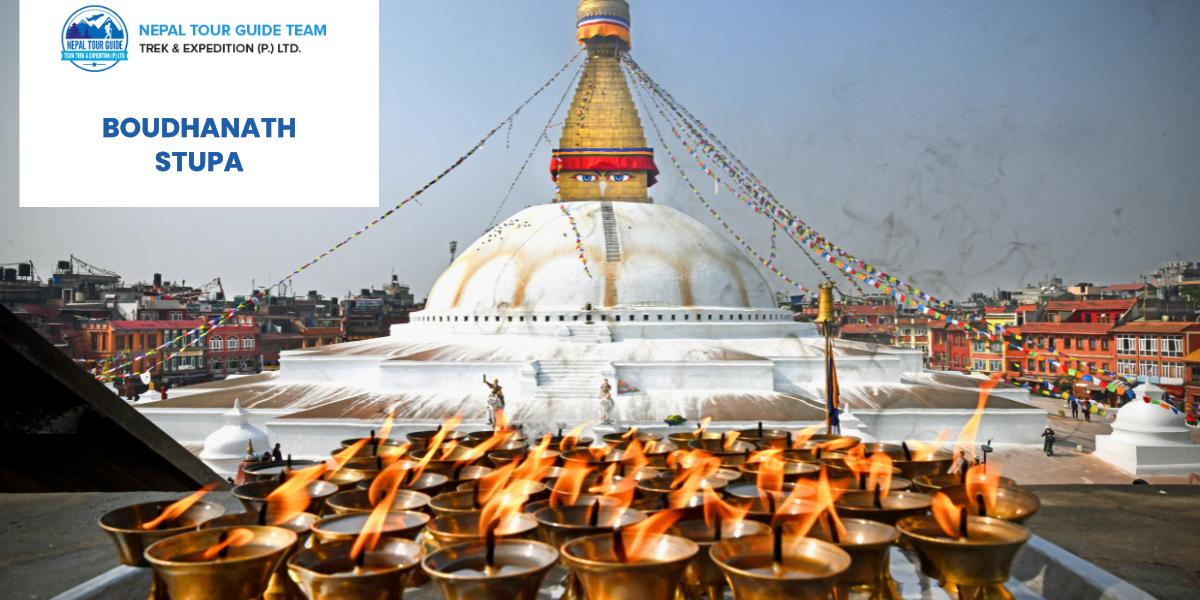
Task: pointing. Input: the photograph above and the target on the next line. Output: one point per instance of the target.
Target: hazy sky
(962, 145)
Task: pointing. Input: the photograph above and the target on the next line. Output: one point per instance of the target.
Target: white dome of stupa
(1141, 421)
(639, 255)
(225, 448)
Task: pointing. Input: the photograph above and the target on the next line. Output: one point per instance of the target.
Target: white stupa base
(1146, 459)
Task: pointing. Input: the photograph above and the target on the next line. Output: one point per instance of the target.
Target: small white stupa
(225, 448)
(1149, 439)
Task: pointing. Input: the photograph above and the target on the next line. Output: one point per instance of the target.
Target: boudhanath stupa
(668, 310)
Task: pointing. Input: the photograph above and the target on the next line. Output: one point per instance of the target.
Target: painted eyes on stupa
(620, 177)
(587, 177)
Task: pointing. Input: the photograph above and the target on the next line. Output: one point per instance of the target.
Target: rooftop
(141, 325)
(1121, 304)
(1040, 327)
(1158, 327)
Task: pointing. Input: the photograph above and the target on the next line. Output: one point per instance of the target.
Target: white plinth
(1143, 459)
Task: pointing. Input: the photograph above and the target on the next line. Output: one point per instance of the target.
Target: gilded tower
(602, 154)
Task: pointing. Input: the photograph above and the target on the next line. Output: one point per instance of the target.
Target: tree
(73, 32)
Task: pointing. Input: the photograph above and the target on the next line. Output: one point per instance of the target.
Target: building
(949, 348)
(1086, 291)
(121, 340)
(319, 331)
(1191, 386)
(1129, 290)
(362, 319)
(913, 332)
(1087, 311)
(870, 323)
(1087, 342)
(1000, 316)
(987, 356)
(1171, 275)
(1153, 351)
(233, 348)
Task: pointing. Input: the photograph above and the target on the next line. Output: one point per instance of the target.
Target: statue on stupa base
(607, 404)
(495, 401)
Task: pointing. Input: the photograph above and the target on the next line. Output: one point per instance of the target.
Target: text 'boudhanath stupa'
(668, 311)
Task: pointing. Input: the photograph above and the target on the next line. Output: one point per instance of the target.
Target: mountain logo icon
(95, 39)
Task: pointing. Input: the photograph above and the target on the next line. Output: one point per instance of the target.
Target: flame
(568, 486)
(694, 460)
(761, 455)
(389, 480)
(634, 457)
(474, 454)
(639, 538)
(178, 508)
(534, 467)
(838, 444)
(501, 420)
(599, 452)
(291, 497)
(492, 483)
(922, 451)
(985, 483)
(715, 507)
(880, 473)
(804, 435)
(629, 434)
(770, 474)
(436, 443)
(237, 537)
(449, 448)
(966, 439)
(502, 507)
(373, 528)
(826, 496)
(699, 433)
(857, 461)
(386, 430)
(341, 458)
(730, 439)
(948, 516)
(570, 440)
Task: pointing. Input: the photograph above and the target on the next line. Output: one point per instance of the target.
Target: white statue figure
(607, 404)
(495, 401)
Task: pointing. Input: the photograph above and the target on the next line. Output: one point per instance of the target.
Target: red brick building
(105, 339)
(1087, 342)
(913, 332)
(949, 349)
(1087, 311)
(233, 348)
(1154, 351)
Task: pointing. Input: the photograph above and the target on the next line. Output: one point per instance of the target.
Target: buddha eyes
(591, 177)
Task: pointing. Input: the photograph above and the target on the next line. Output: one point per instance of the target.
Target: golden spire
(602, 154)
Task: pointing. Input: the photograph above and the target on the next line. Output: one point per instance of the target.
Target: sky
(963, 146)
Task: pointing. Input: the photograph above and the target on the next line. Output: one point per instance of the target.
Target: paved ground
(1148, 535)
(50, 543)
(1028, 465)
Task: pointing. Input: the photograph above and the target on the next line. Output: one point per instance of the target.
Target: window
(980, 347)
(1104, 344)
(1066, 343)
(176, 316)
(1030, 368)
(906, 331)
(1172, 369)
(1196, 374)
(216, 343)
(250, 364)
(1104, 366)
(922, 331)
(1125, 344)
(1041, 365)
(1172, 346)
(1126, 367)
(231, 343)
(1148, 344)
(997, 347)
(247, 342)
(1079, 343)
(1103, 319)
(1148, 368)
(216, 366)
(980, 365)
(1091, 343)
(996, 365)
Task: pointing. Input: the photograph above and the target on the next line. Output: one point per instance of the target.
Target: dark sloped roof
(61, 430)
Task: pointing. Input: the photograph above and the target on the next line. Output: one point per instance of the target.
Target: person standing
(1048, 447)
(277, 454)
(1087, 410)
(1074, 409)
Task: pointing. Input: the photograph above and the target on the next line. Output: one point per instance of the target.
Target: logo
(94, 38)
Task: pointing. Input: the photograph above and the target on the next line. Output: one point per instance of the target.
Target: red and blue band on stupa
(602, 25)
(604, 159)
